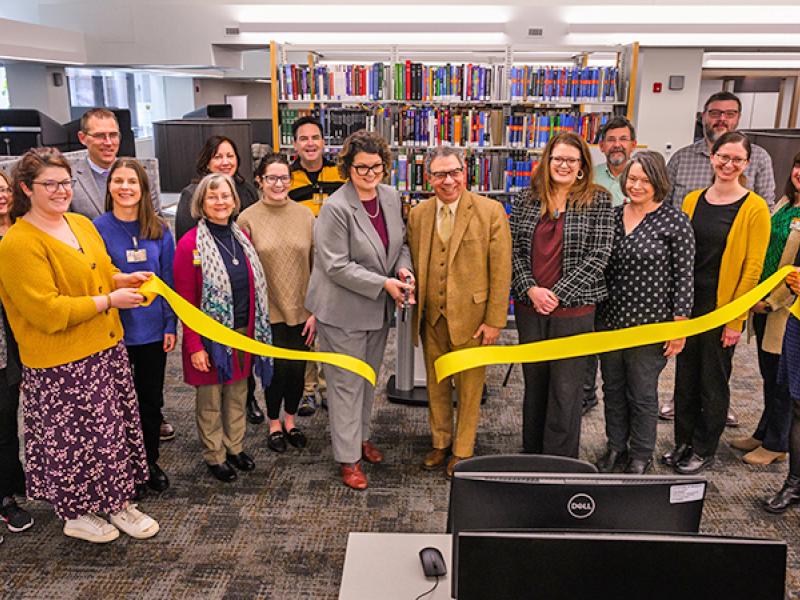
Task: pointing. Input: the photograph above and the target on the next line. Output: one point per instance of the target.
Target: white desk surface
(386, 566)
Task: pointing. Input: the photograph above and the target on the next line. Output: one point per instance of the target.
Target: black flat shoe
(694, 463)
(223, 472)
(789, 494)
(610, 460)
(158, 481)
(296, 437)
(139, 492)
(241, 461)
(674, 456)
(639, 466)
(254, 414)
(277, 441)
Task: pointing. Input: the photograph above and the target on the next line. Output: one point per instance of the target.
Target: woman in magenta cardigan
(217, 270)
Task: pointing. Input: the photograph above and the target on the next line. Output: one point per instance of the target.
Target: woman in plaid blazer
(562, 229)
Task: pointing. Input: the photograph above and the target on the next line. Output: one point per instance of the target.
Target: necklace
(377, 210)
(232, 254)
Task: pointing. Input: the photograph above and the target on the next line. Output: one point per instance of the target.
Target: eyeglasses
(364, 169)
(614, 140)
(273, 179)
(52, 186)
(442, 175)
(716, 114)
(225, 197)
(560, 160)
(632, 181)
(102, 137)
(724, 159)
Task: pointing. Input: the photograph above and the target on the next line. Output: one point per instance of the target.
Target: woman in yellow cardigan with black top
(731, 227)
(83, 437)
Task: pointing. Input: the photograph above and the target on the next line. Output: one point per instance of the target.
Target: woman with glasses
(562, 230)
(770, 441)
(83, 436)
(220, 155)
(12, 477)
(731, 228)
(282, 233)
(649, 279)
(218, 271)
(360, 264)
(137, 239)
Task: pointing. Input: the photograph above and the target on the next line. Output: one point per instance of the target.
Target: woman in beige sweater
(282, 232)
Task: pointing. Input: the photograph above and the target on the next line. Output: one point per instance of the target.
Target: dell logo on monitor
(581, 506)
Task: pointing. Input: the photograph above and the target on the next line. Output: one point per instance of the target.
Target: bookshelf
(501, 110)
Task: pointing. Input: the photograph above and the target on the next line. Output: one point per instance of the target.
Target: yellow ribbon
(211, 329)
(607, 341)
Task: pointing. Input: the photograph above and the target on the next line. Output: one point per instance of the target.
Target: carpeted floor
(280, 532)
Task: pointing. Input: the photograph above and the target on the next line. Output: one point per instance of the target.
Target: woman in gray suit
(360, 264)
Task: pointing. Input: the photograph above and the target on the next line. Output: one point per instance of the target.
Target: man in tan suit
(461, 249)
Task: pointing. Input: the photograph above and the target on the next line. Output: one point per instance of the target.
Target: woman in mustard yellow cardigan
(731, 227)
(83, 437)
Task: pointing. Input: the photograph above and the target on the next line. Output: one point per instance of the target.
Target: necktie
(445, 223)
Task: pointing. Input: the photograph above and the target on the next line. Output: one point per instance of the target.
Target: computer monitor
(580, 564)
(496, 501)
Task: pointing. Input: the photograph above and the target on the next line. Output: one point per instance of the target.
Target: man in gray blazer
(100, 134)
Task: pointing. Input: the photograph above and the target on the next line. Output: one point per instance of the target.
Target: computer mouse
(432, 562)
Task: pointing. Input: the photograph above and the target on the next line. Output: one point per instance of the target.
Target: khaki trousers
(469, 388)
(220, 415)
(314, 377)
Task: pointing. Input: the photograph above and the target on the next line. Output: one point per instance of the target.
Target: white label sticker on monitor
(692, 492)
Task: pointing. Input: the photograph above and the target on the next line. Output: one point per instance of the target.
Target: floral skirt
(83, 438)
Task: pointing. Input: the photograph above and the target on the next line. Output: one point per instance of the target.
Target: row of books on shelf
(424, 126)
(484, 172)
(575, 84)
(415, 81)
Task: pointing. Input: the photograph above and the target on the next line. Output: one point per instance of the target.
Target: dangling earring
(579, 176)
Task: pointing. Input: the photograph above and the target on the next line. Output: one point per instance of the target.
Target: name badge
(795, 224)
(319, 198)
(136, 255)
(196, 257)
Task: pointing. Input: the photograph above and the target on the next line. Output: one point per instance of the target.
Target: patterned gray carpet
(280, 532)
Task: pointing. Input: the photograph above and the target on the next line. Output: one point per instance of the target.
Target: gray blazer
(87, 198)
(350, 263)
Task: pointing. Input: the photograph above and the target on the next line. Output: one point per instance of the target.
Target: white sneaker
(91, 528)
(135, 523)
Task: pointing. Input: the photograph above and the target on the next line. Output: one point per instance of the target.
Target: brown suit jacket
(479, 269)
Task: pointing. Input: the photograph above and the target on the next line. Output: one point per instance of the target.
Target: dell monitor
(568, 565)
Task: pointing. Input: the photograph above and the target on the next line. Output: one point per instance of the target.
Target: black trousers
(702, 393)
(12, 478)
(794, 439)
(776, 419)
(551, 409)
(148, 362)
(289, 375)
(630, 398)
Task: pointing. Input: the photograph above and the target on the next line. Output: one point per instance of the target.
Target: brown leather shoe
(353, 476)
(166, 432)
(762, 456)
(451, 465)
(370, 453)
(748, 444)
(435, 458)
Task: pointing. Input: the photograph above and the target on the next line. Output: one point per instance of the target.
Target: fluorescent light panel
(372, 13)
(687, 14)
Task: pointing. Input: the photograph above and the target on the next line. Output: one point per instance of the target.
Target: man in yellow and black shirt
(313, 180)
(313, 177)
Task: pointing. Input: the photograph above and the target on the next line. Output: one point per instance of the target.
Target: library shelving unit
(500, 106)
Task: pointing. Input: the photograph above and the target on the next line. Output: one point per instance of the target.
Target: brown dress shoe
(435, 458)
(451, 464)
(370, 453)
(748, 444)
(762, 456)
(353, 476)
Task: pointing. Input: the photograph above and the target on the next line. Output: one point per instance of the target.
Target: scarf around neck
(216, 300)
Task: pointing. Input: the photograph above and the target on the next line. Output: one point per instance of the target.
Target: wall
(179, 96)
(213, 91)
(667, 118)
(30, 85)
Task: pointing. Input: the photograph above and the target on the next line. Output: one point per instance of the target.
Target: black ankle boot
(254, 414)
(789, 494)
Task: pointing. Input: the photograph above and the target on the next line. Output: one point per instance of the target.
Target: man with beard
(690, 169)
(617, 141)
